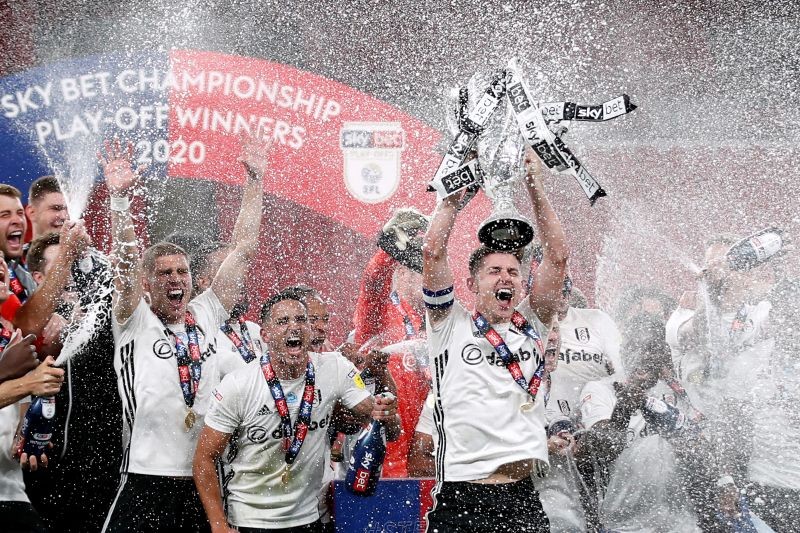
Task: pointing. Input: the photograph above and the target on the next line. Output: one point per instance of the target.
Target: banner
(336, 150)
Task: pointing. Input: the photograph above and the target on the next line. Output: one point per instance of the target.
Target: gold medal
(285, 476)
(190, 419)
(525, 407)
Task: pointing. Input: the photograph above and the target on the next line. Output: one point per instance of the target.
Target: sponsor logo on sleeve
(217, 395)
(358, 381)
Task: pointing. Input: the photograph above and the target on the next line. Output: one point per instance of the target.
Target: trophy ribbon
(550, 149)
(558, 111)
(469, 128)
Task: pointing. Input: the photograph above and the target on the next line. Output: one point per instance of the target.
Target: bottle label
(766, 245)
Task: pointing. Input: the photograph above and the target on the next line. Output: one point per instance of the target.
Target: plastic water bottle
(755, 249)
(37, 428)
(662, 416)
(366, 463)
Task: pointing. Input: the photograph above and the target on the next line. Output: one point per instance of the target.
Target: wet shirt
(242, 406)
(589, 351)
(644, 492)
(12, 488)
(156, 440)
(479, 423)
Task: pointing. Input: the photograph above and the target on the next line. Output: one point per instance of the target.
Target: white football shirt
(155, 438)
(230, 359)
(12, 487)
(479, 421)
(589, 351)
(243, 406)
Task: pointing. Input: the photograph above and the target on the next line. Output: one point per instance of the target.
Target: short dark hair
(201, 259)
(35, 259)
(266, 307)
(42, 187)
(10, 190)
(160, 249)
(303, 292)
(477, 257)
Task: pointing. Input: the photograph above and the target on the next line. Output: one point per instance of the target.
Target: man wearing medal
(275, 416)
(165, 354)
(489, 415)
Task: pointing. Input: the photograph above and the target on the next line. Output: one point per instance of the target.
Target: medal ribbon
(411, 332)
(301, 425)
(15, 284)
(5, 338)
(243, 344)
(509, 358)
(189, 362)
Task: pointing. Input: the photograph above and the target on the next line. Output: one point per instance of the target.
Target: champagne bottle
(37, 427)
(663, 417)
(366, 463)
(755, 249)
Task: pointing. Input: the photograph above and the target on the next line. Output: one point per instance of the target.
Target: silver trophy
(500, 149)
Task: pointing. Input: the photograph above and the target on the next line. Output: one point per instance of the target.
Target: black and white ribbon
(550, 149)
(470, 127)
(616, 107)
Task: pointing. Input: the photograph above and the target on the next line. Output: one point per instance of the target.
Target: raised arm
(34, 315)
(120, 180)
(546, 293)
(230, 277)
(436, 273)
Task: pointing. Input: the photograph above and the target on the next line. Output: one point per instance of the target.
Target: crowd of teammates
(532, 411)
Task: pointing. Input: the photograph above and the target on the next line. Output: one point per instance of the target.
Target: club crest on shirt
(563, 406)
(582, 334)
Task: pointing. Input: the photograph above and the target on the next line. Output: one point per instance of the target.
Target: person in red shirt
(390, 306)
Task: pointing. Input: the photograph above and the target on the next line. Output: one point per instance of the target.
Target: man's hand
(255, 155)
(19, 357)
(74, 239)
(32, 463)
(385, 408)
(45, 379)
(561, 444)
(52, 331)
(117, 168)
(533, 167)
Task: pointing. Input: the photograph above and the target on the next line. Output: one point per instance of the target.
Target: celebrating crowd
(531, 411)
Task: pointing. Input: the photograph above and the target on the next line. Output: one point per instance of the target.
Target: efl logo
(372, 159)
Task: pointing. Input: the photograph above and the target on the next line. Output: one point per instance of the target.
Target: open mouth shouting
(14, 240)
(175, 295)
(504, 294)
(294, 344)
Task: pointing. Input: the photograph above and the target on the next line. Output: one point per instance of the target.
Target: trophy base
(505, 234)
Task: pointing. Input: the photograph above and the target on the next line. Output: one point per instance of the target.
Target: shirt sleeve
(208, 311)
(597, 402)
(224, 411)
(134, 321)
(352, 390)
(373, 297)
(425, 422)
